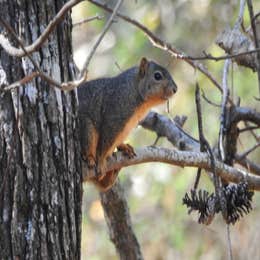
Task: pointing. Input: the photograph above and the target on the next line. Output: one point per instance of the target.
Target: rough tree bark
(40, 168)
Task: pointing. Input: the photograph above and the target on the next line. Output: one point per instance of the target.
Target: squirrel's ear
(143, 67)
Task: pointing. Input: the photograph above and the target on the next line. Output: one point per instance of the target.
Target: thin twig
(21, 82)
(165, 127)
(199, 114)
(200, 129)
(249, 128)
(252, 167)
(207, 99)
(245, 114)
(43, 37)
(222, 130)
(224, 57)
(197, 179)
(204, 145)
(246, 153)
(256, 37)
(105, 29)
(239, 20)
(87, 20)
(256, 15)
(118, 66)
(230, 254)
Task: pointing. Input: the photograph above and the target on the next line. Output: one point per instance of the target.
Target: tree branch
(223, 116)
(223, 57)
(248, 164)
(166, 127)
(177, 158)
(245, 114)
(250, 150)
(87, 20)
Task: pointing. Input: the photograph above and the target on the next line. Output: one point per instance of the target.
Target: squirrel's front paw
(127, 150)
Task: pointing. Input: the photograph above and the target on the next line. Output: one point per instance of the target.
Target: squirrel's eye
(158, 75)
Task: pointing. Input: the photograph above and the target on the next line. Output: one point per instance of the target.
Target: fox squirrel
(109, 108)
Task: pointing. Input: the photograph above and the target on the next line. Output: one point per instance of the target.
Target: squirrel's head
(154, 81)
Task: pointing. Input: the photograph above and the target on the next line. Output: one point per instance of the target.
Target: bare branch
(246, 153)
(256, 137)
(230, 253)
(42, 38)
(203, 141)
(256, 38)
(249, 128)
(248, 164)
(245, 114)
(205, 146)
(105, 29)
(21, 82)
(256, 16)
(223, 122)
(178, 158)
(166, 127)
(87, 20)
(65, 86)
(224, 57)
(207, 99)
(239, 20)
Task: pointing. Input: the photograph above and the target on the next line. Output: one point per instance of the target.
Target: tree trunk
(40, 168)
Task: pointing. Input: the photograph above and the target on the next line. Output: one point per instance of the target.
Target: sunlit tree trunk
(40, 169)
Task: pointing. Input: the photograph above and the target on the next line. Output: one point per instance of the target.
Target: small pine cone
(239, 200)
(203, 203)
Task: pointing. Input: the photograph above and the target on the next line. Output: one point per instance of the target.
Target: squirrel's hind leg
(89, 140)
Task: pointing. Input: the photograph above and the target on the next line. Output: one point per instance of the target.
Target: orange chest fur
(133, 121)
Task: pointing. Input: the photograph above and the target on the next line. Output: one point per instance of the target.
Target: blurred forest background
(154, 191)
